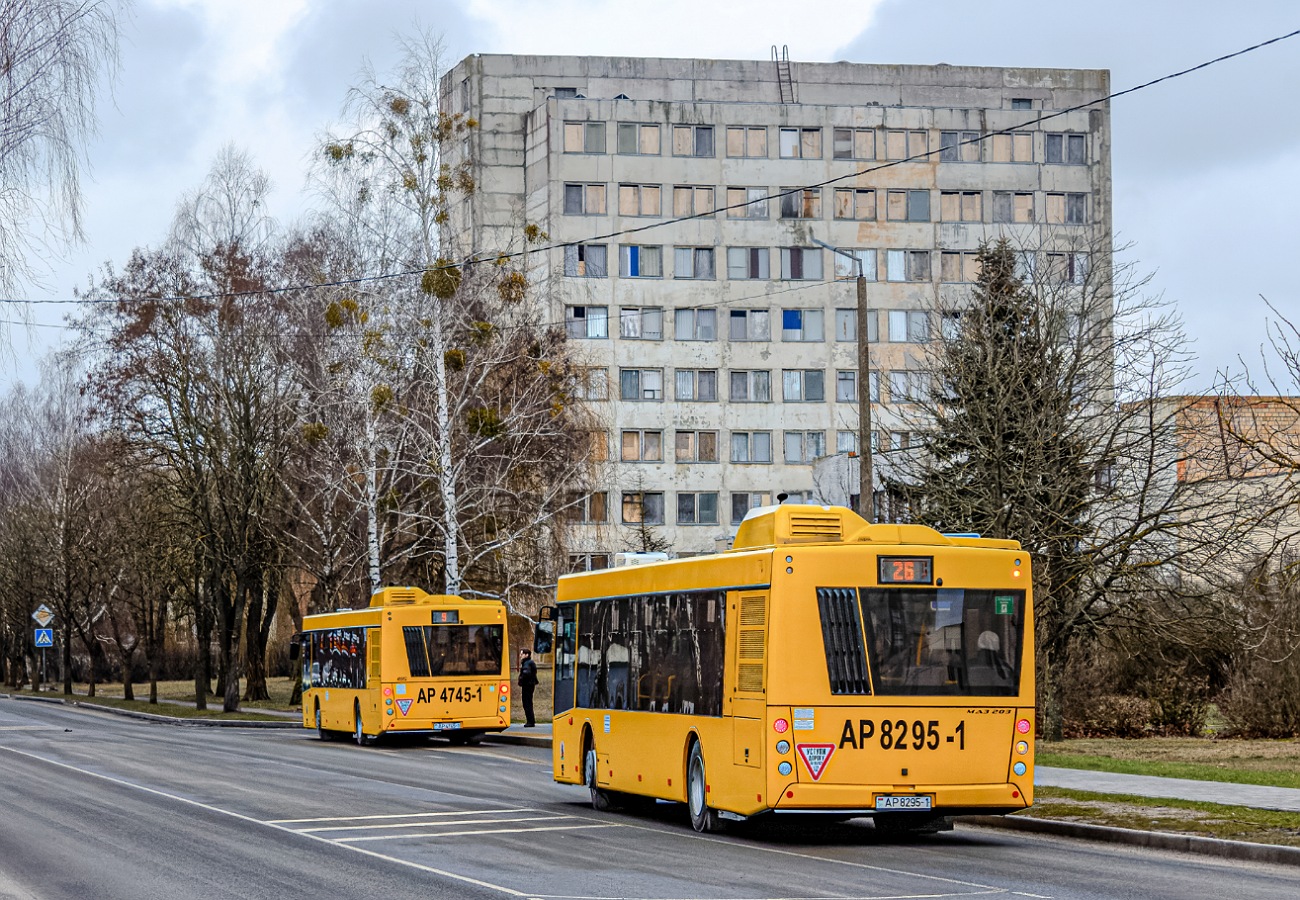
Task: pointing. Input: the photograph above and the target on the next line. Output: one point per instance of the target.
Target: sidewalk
(1254, 795)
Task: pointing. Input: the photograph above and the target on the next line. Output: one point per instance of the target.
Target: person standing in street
(527, 682)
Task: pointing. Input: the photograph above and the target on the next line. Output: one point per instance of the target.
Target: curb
(522, 740)
(153, 717)
(1155, 840)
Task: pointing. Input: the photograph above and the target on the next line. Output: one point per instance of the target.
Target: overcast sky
(1205, 167)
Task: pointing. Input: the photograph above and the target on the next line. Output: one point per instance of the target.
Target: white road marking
(30, 728)
(437, 824)
(442, 834)
(454, 812)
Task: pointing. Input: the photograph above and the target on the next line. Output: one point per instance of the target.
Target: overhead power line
(490, 256)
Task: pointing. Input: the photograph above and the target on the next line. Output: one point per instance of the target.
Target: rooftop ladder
(783, 79)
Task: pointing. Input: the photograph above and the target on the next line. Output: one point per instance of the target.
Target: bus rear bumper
(948, 799)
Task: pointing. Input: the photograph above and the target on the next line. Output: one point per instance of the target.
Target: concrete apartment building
(722, 341)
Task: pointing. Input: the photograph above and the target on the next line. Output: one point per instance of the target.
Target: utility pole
(866, 490)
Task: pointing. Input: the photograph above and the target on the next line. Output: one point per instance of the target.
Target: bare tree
(1055, 419)
(53, 54)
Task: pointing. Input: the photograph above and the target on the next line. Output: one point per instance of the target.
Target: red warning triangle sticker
(404, 706)
(815, 757)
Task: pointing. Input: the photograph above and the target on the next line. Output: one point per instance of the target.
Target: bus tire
(321, 732)
(601, 799)
(703, 818)
(358, 732)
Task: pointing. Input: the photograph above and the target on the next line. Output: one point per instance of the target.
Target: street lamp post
(865, 486)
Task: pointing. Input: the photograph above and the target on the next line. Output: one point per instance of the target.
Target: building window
(692, 199)
(900, 440)
(641, 385)
(746, 203)
(747, 141)
(906, 144)
(1067, 268)
(959, 267)
(801, 203)
(908, 387)
(950, 325)
(908, 206)
(803, 386)
(696, 446)
(803, 325)
(696, 324)
(638, 199)
(588, 562)
(697, 508)
(697, 384)
(846, 386)
(801, 143)
(1016, 148)
(743, 501)
(636, 261)
(586, 260)
(584, 199)
(804, 446)
(591, 384)
(753, 386)
(909, 326)
(638, 140)
(846, 442)
(801, 264)
(907, 265)
(848, 268)
(1066, 149)
(643, 446)
(751, 446)
(597, 445)
(748, 263)
(584, 137)
(846, 325)
(693, 140)
(587, 321)
(855, 203)
(588, 509)
(959, 146)
(961, 206)
(641, 323)
(854, 143)
(643, 508)
(1067, 209)
(1011, 207)
(693, 262)
(1021, 103)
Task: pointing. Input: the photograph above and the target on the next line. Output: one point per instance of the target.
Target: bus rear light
(1023, 726)
(781, 726)
(785, 768)
(1022, 747)
(505, 688)
(1015, 794)
(1019, 768)
(783, 747)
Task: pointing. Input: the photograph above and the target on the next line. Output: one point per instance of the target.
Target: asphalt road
(98, 806)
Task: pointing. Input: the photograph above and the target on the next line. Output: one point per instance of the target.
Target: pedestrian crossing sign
(44, 637)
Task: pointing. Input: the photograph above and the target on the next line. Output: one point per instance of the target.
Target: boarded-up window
(584, 137)
(692, 140)
(960, 206)
(689, 200)
(854, 143)
(1016, 147)
(959, 146)
(746, 203)
(801, 143)
(855, 203)
(801, 204)
(747, 141)
(638, 140)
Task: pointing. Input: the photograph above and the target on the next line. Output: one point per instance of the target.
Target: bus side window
(544, 637)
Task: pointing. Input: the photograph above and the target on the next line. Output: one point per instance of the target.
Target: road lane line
(432, 870)
(394, 837)
(453, 812)
(438, 824)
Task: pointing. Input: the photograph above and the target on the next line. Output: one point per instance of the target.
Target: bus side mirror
(294, 646)
(544, 637)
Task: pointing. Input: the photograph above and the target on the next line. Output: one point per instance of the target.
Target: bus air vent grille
(401, 598)
(749, 677)
(846, 656)
(753, 611)
(751, 643)
(815, 528)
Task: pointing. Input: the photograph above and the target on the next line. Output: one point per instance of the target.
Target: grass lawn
(1233, 823)
(1275, 763)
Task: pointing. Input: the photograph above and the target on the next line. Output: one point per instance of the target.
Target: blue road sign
(44, 637)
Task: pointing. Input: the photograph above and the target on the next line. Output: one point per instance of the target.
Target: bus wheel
(601, 800)
(703, 819)
(357, 734)
(321, 732)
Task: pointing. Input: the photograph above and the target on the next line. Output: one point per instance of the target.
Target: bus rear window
(944, 641)
(449, 650)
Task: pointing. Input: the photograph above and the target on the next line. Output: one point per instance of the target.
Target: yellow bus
(822, 665)
(409, 663)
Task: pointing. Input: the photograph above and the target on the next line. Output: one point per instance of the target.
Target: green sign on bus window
(1004, 606)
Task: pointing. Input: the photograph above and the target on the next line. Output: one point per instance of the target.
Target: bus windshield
(438, 650)
(944, 641)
